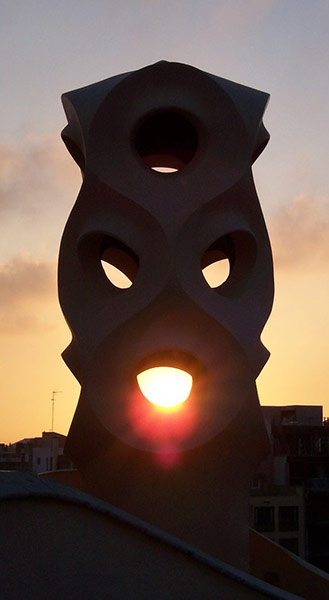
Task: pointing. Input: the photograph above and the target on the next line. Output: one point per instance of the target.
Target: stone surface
(57, 542)
(185, 470)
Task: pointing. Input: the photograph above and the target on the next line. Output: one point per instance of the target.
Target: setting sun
(165, 386)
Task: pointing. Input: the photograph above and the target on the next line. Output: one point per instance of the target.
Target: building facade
(290, 493)
(37, 455)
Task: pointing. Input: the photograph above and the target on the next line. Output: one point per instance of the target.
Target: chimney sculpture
(166, 155)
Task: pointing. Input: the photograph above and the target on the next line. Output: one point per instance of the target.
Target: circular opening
(166, 141)
(120, 264)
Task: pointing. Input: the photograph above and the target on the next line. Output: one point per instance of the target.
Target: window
(323, 445)
(264, 518)
(288, 518)
(288, 416)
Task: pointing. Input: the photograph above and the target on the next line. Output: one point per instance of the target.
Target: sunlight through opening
(117, 277)
(166, 141)
(165, 169)
(217, 272)
(120, 264)
(165, 386)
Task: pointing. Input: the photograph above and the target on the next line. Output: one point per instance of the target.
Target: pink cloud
(27, 296)
(33, 173)
(300, 233)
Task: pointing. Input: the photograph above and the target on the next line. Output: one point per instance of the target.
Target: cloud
(34, 173)
(299, 233)
(38, 185)
(27, 295)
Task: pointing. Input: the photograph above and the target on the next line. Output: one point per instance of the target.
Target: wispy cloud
(33, 173)
(38, 185)
(300, 233)
(27, 295)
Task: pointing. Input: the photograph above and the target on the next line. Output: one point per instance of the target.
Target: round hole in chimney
(166, 141)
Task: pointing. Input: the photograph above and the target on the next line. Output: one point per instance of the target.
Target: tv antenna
(53, 407)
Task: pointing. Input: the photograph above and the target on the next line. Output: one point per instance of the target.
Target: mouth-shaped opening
(165, 386)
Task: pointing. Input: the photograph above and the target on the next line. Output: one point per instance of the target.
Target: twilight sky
(46, 48)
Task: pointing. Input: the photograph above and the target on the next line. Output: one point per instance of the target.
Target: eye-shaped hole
(215, 268)
(166, 141)
(120, 263)
(228, 263)
(216, 262)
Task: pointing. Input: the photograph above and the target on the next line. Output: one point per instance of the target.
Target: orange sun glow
(165, 386)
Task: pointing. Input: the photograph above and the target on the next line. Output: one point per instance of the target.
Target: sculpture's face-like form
(162, 229)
